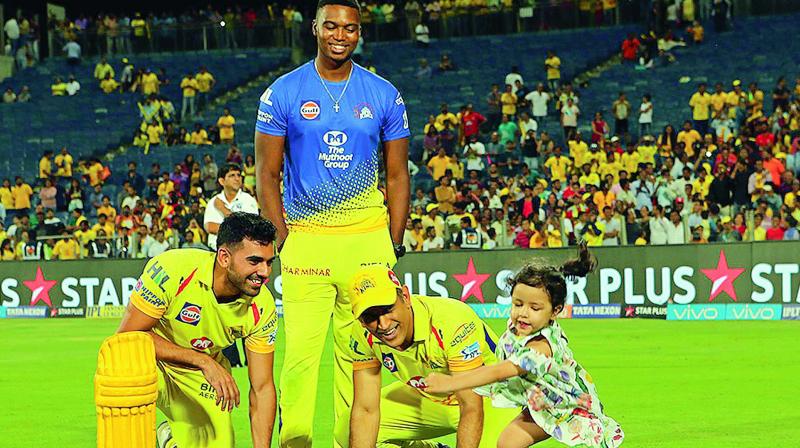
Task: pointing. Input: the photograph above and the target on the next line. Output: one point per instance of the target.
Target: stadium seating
(716, 60)
(92, 122)
(481, 61)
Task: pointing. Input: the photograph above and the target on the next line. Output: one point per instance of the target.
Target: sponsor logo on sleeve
(471, 351)
(309, 110)
(202, 343)
(158, 275)
(462, 333)
(190, 314)
(149, 296)
(389, 363)
(399, 100)
(264, 117)
(595, 311)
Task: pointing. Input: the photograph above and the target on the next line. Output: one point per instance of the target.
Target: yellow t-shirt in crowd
(509, 101)
(558, 167)
(109, 85)
(66, 249)
(690, 138)
(150, 83)
(22, 196)
(438, 165)
(6, 198)
(154, 132)
(64, 164)
(45, 168)
(189, 86)
(204, 81)
(700, 104)
(225, 125)
(199, 137)
(59, 89)
(554, 67)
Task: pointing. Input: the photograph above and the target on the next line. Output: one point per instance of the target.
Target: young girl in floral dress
(536, 369)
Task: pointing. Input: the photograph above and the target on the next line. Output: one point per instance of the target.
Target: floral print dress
(558, 393)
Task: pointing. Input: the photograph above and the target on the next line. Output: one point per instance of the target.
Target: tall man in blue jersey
(323, 125)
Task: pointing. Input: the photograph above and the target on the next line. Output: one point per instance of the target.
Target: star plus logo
(630, 311)
(722, 278)
(471, 282)
(40, 288)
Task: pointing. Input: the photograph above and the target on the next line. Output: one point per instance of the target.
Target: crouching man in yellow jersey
(194, 303)
(411, 336)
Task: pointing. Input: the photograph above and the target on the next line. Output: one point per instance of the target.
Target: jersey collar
(422, 319)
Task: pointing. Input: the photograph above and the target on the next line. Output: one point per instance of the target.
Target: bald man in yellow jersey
(194, 303)
(412, 336)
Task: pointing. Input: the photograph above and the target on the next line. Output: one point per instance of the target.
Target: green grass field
(669, 384)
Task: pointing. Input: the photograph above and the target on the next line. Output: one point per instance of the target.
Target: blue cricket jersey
(331, 161)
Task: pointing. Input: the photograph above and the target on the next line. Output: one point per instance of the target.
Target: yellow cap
(726, 219)
(374, 285)
(736, 82)
(430, 207)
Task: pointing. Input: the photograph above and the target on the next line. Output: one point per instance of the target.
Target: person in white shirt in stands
(475, 151)
(73, 51)
(231, 199)
(432, 242)
(423, 34)
(658, 226)
(674, 228)
(512, 78)
(645, 116)
(538, 99)
(159, 246)
(73, 86)
(612, 227)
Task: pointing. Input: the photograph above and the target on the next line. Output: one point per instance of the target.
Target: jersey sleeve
(394, 125)
(273, 110)
(149, 295)
(262, 339)
(361, 353)
(463, 343)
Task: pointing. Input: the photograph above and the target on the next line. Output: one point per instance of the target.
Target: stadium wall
(743, 281)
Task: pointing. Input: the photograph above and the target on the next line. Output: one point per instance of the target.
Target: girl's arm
(442, 383)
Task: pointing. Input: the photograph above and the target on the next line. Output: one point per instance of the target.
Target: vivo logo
(334, 138)
(696, 312)
(753, 312)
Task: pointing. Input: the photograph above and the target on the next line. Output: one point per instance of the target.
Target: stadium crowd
(490, 175)
(728, 173)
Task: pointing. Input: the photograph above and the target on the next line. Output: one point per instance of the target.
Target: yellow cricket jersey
(448, 337)
(700, 104)
(175, 288)
(204, 81)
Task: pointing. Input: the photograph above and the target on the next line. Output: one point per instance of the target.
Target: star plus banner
(639, 278)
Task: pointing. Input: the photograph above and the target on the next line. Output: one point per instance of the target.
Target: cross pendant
(336, 107)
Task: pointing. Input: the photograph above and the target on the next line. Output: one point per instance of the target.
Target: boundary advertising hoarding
(629, 282)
